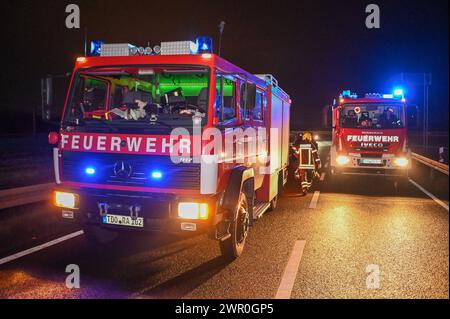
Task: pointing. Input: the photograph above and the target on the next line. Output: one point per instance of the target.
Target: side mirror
(53, 95)
(250, 96)
(47, 97)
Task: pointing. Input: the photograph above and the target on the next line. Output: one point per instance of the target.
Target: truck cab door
(251, 110)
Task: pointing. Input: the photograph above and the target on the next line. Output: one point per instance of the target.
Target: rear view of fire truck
(131, 153)
(370, 136)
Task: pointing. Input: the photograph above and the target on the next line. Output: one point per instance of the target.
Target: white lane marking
(290, 272)
(314, 199)
(40, 247)
(437, 200)
(326, 165)
(322, 177)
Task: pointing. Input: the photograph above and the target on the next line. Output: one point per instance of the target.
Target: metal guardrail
(25, 195)
(443, 168)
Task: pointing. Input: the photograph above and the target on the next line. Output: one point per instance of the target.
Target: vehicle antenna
(85, 41)
(221, 28)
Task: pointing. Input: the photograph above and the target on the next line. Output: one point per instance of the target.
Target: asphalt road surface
(356, 239)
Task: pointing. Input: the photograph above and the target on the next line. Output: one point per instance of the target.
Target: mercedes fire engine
(119, 165)
(369, 135)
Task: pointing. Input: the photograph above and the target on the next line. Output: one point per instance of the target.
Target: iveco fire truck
(131, 153)
(369, 135)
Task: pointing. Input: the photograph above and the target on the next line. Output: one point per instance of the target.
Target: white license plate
(123, 221)
(375, 161)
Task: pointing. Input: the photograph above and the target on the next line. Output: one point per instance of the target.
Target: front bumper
(159, 211)
(372, 171)
(374, 165)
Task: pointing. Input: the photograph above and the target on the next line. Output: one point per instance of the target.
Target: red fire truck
(370, 135)
(114, 154)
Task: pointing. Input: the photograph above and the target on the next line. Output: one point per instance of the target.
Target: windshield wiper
(156, 121)
(104, 122)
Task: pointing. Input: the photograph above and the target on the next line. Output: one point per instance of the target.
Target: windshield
(373, 116)
(145, 95)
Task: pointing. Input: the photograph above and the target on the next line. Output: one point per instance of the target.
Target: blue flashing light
(156, 175)
(399, 92)
(96, 48)
(204, 45)
(346, 93)
(90, 170)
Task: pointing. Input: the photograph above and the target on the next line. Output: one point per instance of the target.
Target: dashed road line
(290, 272)
(437, 200)
(314, 200)
(40, 247)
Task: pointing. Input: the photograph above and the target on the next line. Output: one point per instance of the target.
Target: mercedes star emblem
(123, 169)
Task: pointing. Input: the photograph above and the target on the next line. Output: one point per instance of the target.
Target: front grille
(367, 149)
(181, 176)
(372, 155)
(382, 164)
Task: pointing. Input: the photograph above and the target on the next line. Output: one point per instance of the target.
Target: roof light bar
(202, 45)
(178, 47)
(117, 49)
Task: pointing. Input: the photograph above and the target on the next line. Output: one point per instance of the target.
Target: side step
(260, 209)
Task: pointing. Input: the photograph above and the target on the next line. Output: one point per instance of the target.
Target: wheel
(273, 204)
(281, 183)
(98, 235)
(400, 184)
(396, 186)
(232, 247)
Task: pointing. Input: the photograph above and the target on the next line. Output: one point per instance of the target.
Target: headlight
(401, 161)
(342, 160)
(66, 200)
(193, 210)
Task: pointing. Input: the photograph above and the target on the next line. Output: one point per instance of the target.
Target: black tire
(281, 184)
(99, 236)
(233, 247)
(400, 184)
(273, 204)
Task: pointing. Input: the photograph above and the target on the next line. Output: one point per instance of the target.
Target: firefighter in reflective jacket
(310, 163)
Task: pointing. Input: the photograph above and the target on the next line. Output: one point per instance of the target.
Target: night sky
(314, 48)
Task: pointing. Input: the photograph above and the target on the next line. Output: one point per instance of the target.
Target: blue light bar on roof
(399, 93)
(96, 48)
(346, 93)
(204, 44)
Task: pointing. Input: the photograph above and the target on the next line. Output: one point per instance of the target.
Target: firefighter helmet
(307, 136)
